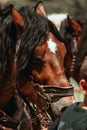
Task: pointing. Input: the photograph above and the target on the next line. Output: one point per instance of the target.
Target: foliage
(78, 94)
(73, 7)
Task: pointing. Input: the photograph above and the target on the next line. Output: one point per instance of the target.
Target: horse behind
(72, 31)
(35, 61)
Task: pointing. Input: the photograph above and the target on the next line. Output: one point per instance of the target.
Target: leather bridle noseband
(56, 92)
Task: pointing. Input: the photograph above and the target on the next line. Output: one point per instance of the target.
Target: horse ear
(17, 18)
(69, 20)
(75, 25)
(40, 9)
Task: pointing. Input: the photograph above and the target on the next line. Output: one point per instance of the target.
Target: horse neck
(6, 93)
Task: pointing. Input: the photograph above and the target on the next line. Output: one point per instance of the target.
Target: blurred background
(72, 7)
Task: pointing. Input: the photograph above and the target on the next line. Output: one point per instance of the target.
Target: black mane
(36, 30)
(8, 37)
(82, 49)
(82, 52)
(66, 31)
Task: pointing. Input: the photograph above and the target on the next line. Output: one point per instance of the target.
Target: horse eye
(79, 32)
(37, 60)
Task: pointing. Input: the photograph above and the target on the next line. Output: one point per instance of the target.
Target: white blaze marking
(52, 45)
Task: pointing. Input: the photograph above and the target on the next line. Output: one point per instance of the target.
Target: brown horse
(71, 31)
(45, 66)
(8, 91)
(32, 63)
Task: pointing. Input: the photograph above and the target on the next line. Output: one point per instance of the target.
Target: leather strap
(57, 92)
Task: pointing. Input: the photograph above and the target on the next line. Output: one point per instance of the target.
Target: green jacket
(73, 118)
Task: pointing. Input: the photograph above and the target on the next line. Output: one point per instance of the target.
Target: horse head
(71, 31)
(46, 62)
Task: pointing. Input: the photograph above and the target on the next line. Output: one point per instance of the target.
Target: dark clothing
(55, 124)
(73, 118)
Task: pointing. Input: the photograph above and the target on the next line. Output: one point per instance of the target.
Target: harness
(46, 95)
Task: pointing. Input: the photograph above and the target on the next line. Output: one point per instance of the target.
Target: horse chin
(59, 106)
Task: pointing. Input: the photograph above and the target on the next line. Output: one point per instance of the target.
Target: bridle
(52, 92)
(57, 92)
(38, 114)
(47, 95)
(74, 55)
